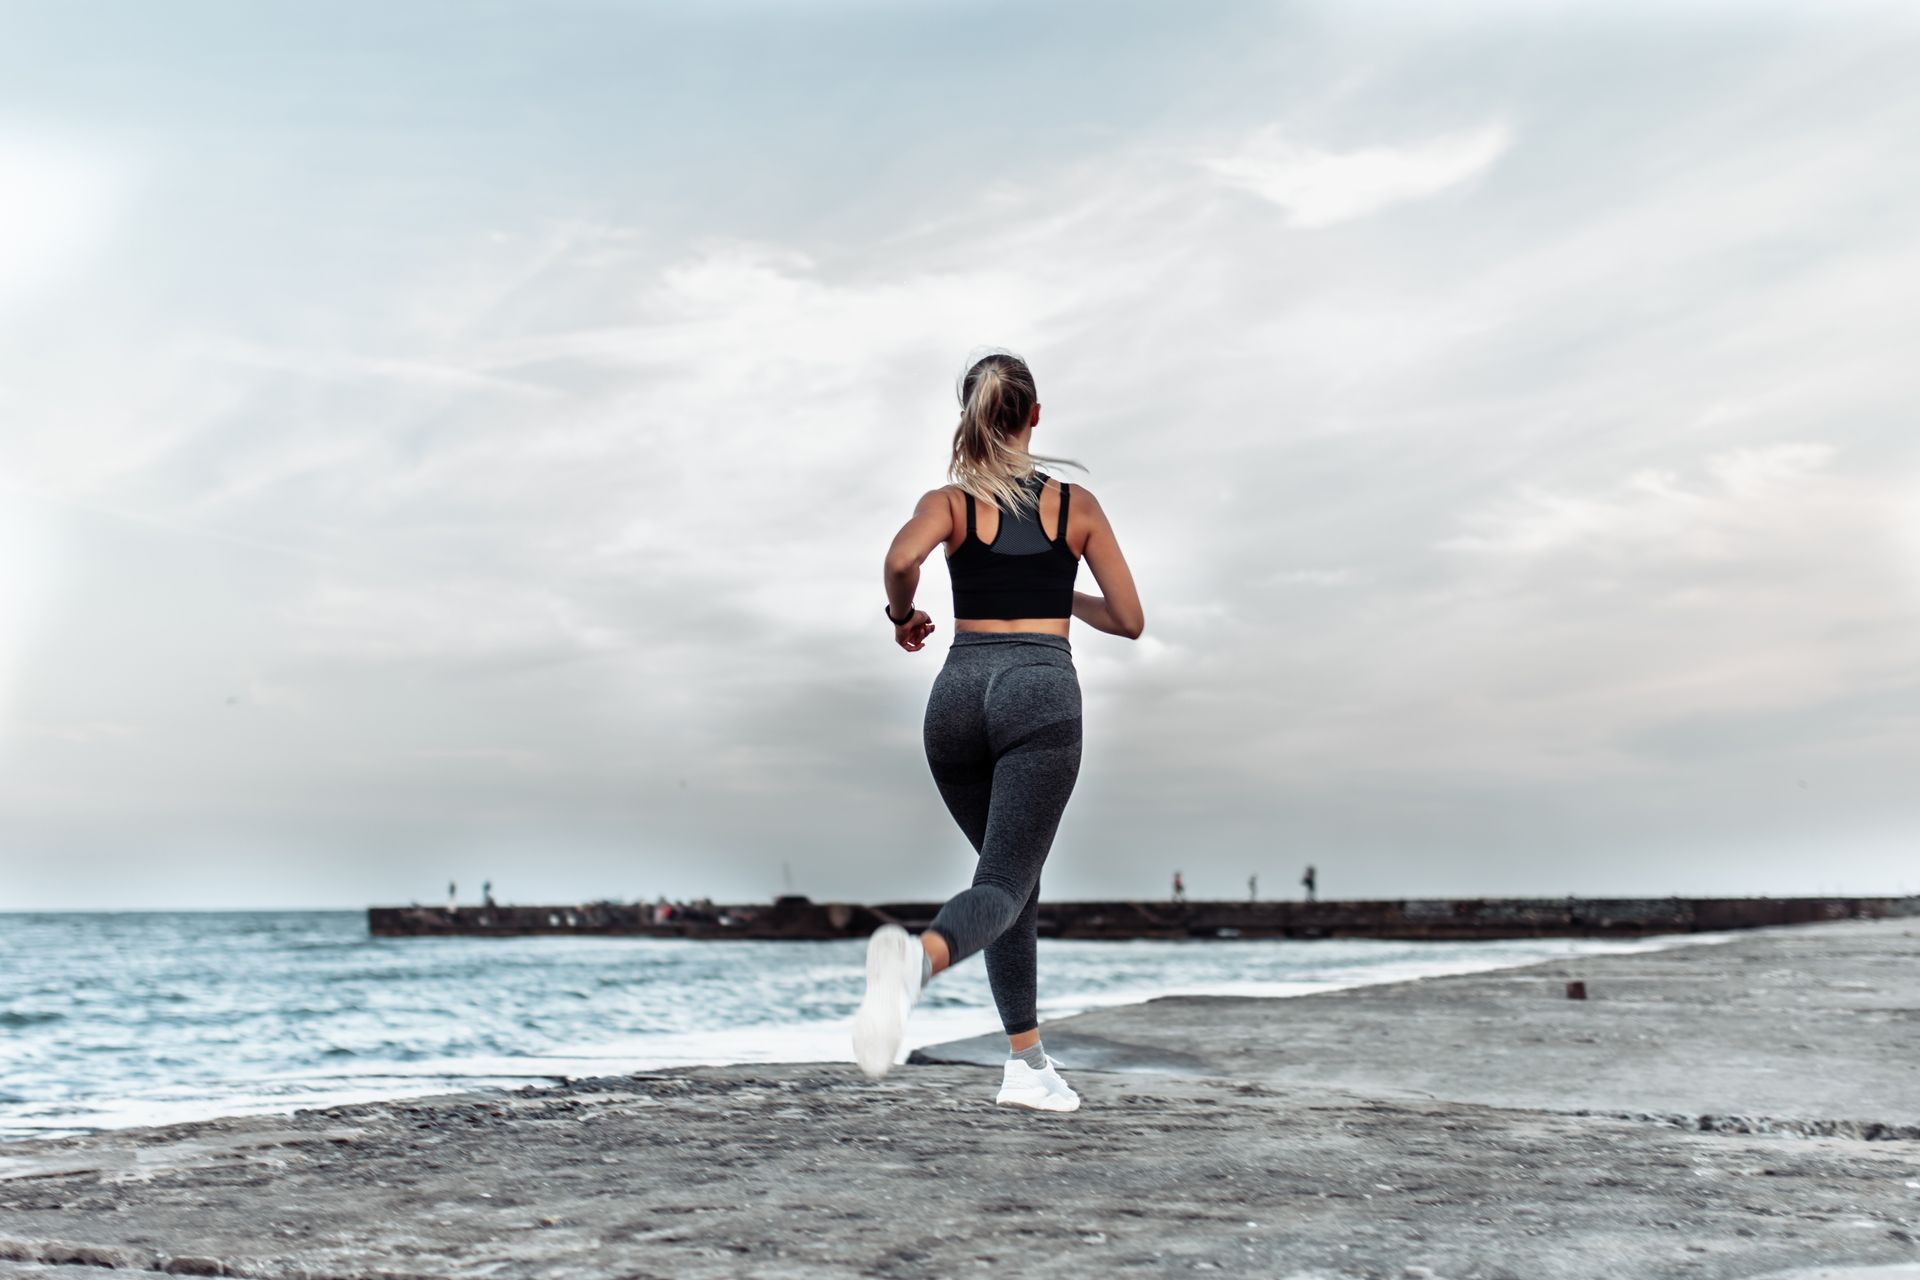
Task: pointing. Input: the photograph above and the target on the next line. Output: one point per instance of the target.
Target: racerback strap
(1066, 491)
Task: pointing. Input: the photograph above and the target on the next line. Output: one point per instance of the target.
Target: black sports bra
(1022, 573)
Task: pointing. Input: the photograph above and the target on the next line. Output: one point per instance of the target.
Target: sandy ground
(1744, 1109)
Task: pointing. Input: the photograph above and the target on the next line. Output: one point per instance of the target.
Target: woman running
(1002, 729)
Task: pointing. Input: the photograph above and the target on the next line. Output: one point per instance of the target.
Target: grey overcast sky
(460, 439)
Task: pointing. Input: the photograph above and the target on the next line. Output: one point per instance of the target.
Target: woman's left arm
(931, 525)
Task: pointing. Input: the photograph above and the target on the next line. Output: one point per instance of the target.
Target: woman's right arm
(1117, 611)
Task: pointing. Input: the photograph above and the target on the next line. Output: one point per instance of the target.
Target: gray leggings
(1003, 739)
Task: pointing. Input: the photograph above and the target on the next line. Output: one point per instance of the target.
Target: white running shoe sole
(1037, 1100)
(1032, 1092)
(881, 1024)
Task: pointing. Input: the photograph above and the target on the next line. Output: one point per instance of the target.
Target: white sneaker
(1022, 1086)
(893, 988)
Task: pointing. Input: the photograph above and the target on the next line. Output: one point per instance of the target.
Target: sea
(119, 1019)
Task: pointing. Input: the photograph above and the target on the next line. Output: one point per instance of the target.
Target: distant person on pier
(1307, 880)
(1179, 888)
(486, 893)
(453, 897)
(1002, 725)
(1253, 887)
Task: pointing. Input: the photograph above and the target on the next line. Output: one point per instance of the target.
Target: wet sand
(1738, 1109)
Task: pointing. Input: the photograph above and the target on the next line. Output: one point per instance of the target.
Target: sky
(460, 440)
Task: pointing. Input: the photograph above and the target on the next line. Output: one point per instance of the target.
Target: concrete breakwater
(800, 918)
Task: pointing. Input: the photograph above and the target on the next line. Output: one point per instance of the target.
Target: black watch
(887, 608)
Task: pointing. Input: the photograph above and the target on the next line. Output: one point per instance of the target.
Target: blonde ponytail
(997, 395)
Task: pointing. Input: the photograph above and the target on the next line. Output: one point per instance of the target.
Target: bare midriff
(1053, 626)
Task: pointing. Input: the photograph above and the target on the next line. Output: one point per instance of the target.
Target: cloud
(80, 732)
(1752, 473)
(56, 204)
(346, 366)
(30, 564)
(1316, 577)
(1321, 188)
(1654, 509)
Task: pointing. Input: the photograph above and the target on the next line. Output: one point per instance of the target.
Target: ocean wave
(142, 1018)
